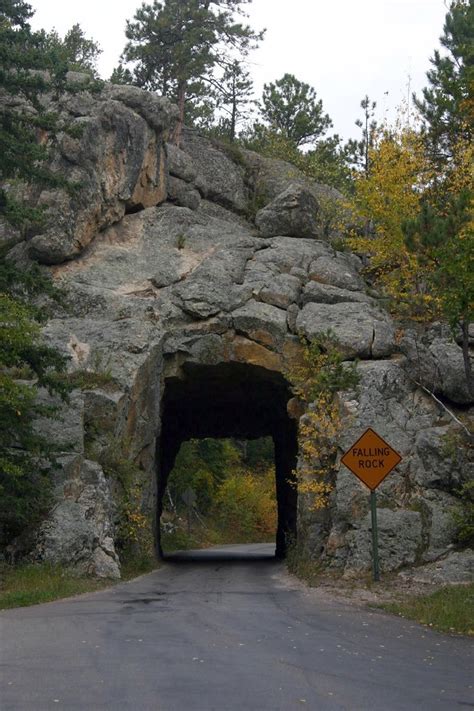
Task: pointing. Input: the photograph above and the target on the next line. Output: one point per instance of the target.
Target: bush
(464, 515)
(245, 507)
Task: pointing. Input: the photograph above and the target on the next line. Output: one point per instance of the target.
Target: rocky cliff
(188, 276)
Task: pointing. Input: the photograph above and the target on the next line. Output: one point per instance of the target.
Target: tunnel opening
(238, 401)
(220, 492)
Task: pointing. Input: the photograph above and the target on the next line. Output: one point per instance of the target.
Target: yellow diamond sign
(371, 459)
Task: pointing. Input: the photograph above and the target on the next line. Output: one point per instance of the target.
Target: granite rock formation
(193, 310)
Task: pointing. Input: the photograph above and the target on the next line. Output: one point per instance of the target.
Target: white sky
(344, 48)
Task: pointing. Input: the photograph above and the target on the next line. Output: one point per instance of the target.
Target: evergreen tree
(175, 43)
(443, 238)
(233, 91)
(358, 152)
(292, 109)
(21, 55)
(76, 50)
(447, 104)
(25, 362)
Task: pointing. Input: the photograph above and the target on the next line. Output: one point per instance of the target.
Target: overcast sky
(344, 48)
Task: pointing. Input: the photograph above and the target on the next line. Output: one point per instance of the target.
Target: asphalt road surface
(222, 630)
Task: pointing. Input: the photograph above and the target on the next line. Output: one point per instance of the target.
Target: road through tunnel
(235, 400)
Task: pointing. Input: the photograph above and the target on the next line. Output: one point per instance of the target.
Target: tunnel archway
(236, 400)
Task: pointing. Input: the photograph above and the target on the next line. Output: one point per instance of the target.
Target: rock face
(173, 296)
(293, 213)
(114, 151)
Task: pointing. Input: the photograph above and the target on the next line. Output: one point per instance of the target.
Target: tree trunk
(466, 356)
(178, 131)
(233, 120)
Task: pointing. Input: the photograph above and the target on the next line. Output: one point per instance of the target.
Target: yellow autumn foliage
(316, 379)
(384, 199)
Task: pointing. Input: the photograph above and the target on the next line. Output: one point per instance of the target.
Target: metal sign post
(375, 535)
(371, 459)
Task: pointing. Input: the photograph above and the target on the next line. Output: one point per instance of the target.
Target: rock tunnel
(232, 400)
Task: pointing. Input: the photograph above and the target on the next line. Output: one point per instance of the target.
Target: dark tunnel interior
(232, 400)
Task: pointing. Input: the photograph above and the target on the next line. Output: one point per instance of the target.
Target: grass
(89, 380)
(450, 609)
(300, 564)
(32, 584)
(134, 565)
(24, 585)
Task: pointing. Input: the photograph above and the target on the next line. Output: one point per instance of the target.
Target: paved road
(224, 630)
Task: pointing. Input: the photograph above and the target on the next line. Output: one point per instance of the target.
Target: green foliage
(180, 241)
(234, 483)
(444, 238)
(134, 536)
(259, 454)
(25, 482)
(32, 64)
(316, 379)
(324, 163)
(201, 465)
(90, 380)
(323, 370)
(75, 50)
(464, 515)
(33, 584)
(174, 46)
(177, 539)
(245, 507)
(300, 563)
(447, 104)
(450, 609)
(233, 96)
(292, 110)
(357, 152)
(23, 118)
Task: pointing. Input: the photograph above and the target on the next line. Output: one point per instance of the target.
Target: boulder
(361, 330)
(281, 290)
(440, 463)
(260, 322)
(320, 293)
(400, 541)
(183, 194)
(156, 294)
(340, 270)
(218, 178)
(79, 531)
(455, 568)
(292, 213)
(436, 361)
(180, 164)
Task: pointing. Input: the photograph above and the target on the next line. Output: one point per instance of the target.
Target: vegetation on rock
(291, 109)
(27, 364)
(316, 380)
(176, 46)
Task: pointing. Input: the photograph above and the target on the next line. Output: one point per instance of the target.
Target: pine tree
(442, 237)
(447, 105)
(24, 480)
(76, 50)
(358, 152)
(233, 97)
(23, 117)
(292, 109)
(175, 43)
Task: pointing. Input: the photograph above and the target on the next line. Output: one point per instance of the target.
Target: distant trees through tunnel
(220, 491)
(226, 458)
